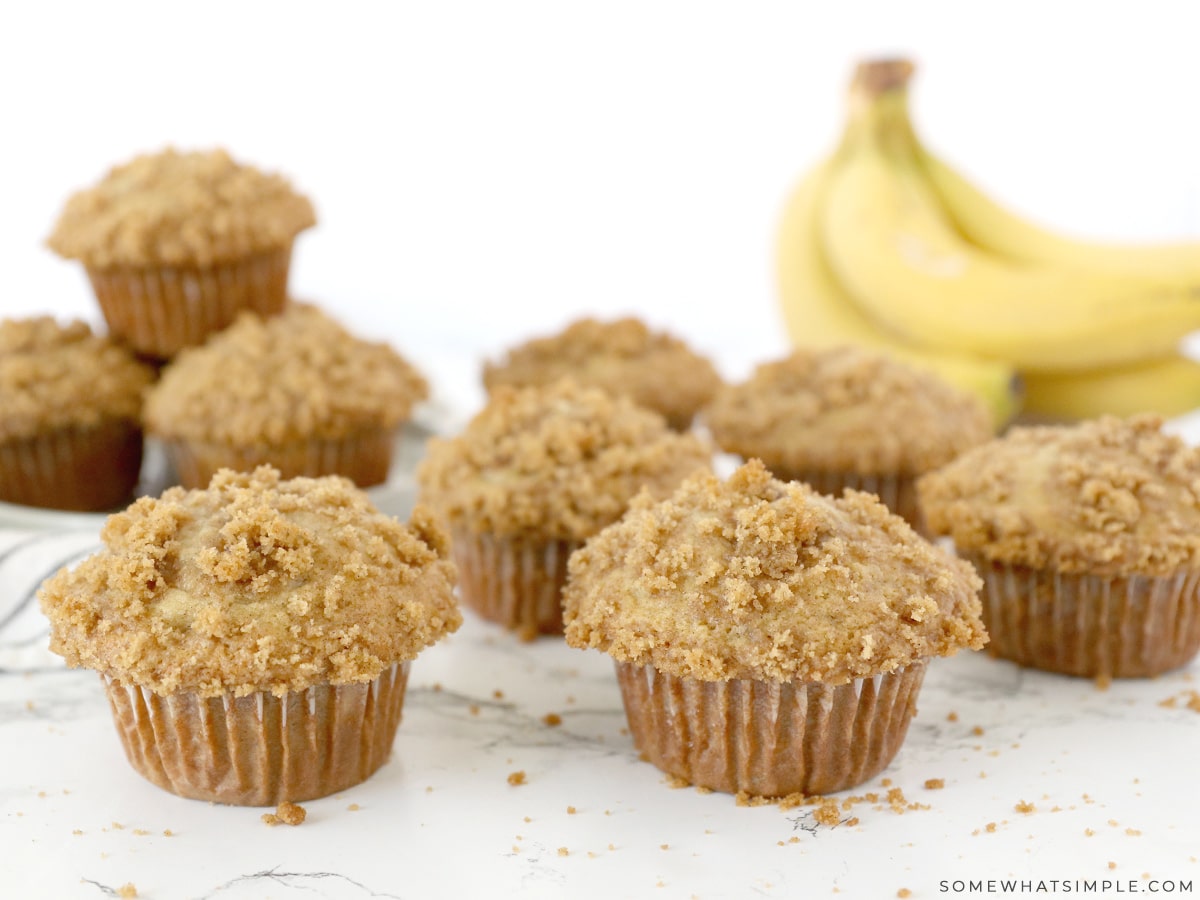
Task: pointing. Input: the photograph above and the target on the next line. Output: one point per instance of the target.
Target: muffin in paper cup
(1087, 537)
(296, 391)
(176, 244)
(768, 639)
(70, 416)
(845, 417)
(255, 638)
(537, 471)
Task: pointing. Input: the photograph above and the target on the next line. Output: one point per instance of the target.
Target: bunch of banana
(884, 245)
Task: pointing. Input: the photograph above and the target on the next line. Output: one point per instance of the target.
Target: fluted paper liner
(364, 457)
(89, 469)
(159, 310)
(515, 582)
(260, 750)
(1130, 626)
(897, 492)
(769, 739)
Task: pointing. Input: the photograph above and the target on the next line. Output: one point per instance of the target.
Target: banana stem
(878, 76)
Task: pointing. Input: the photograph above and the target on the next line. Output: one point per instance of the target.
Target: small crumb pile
(286, 813)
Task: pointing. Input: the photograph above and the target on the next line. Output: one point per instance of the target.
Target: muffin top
(624, 357)
(1108, 496)
(761, 579)
(254, 584)
(846, 409)
(294, 376)
(560, 461)
(59, 375)
(180, 209)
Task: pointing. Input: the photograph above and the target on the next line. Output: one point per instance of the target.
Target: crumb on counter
(563, 851)
(1025, 807)
(935, 784)
(516, 778)
(127, 891)
(552, 719)
(286, 813)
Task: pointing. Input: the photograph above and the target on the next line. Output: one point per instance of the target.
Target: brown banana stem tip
(875, 76)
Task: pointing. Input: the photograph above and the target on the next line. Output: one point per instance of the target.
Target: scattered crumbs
(353, 807)
(437, 687)
(608, 812)
(140, 832)
(127, 891)
(612, 847)
(1111, 864)
(1089, 832)
(286, 813)
(1088, 799)
(1132, 832)
(41, 794)
(591, 855)
(498, 694)
(29, 705)
(983, 774)
(887, 782)
(527, 819)
(516, 778)
(1025, 807)
(118, 826)
(473, 709)
(664, 846)
(1190, 700)
(904, 892)
(795, 840)
(977, 731)
(975, 833)
(1103, 682)
(675, 782)
(571, 810)
(552, 719)
(952, 717)
(429, 788)
(570, 698)
(167, 832)
(1056, 808)
(990, 828)
(76, 832)
(828, 813)
(934, 784)
(516, 849)
(1113, 822)
(851, 822)
(660, 883)
(65, 791)
(701, 789)
(624, 731)
(563, 851)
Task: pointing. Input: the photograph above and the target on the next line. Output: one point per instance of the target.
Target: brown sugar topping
(623, 357)
(180, 209)
(255, 584)
(756, 578)
(1108, 496)
(59, 375)
(558, 461)
(297, 375)
(846, 409)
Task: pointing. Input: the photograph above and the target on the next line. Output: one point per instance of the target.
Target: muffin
(176, 244)
(296, 391)
(624, 357)
(768, 639)
(1088, 541)
(536, 472)
(70, 416)
(255, 638)
(848, 418)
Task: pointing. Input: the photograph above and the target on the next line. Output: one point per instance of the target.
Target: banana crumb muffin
(768, 638)
(296, 391)
(536, 472)
(848, 418)
(254, 637)
(624, 357)
(176, 244)
(1088, 540)
(70, 416)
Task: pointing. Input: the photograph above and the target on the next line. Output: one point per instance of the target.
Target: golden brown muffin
(296, 391)
(1088, 540)
(536, 472)
(624, 357)
(790, 628)
(848, 418)
(255, 637)
(176, 244)
(70, 416)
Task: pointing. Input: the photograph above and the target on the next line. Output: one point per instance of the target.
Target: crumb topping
(559, 461)
(287, 813)
(756, 578)
(56, 375)
(180, 208)
(254, 584)
(623, 357)
(1106, 496)
(846, 409)
(297, 375)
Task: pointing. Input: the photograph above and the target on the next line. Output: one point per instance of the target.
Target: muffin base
(160, 310)
(88, 469)
(364, 457)
(515, 582)
(897, 492)
(769, 739)
(1132, 626)
(260, 750)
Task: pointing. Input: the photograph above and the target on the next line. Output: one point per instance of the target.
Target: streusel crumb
(179, 209)
(1108, 496)
(623, 356)
(286, 813)
(761, 579)
(297, 375)
(846, 409)
(255, 584)
(560, 461)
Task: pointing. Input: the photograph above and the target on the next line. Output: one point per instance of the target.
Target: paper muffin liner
(160, 310)
(897, 492)
(89, 469)
(1098, 626)
(260, 750)
(364, 457)
(515, 582)
(769, 739)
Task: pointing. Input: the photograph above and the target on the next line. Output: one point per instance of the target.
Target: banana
(1170, 387)
(905, 264)
(818, 313)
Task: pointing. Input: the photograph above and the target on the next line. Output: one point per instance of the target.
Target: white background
(487, 171)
